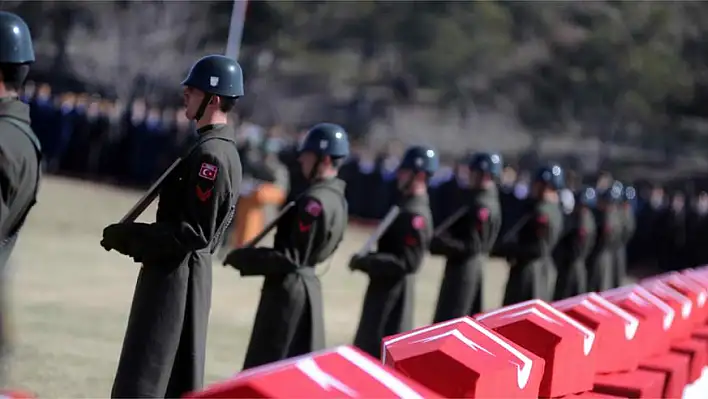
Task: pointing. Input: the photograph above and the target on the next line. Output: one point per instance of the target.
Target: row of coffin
(648, 340)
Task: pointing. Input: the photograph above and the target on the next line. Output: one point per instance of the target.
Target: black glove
(259, 262)
(355, 263)
(235, 257)
(123, 237)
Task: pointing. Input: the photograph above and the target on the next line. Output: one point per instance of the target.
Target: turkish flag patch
(483, 214)
(418, 222)
(208, 171)
(313, 208)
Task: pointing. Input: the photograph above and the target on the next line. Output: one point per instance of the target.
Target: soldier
(574, 247)
(538, 232)
(468, 242)
(289, 320)
(165, 343)
(600, 262)
(21, 167)
(388, 303)
(627, 227)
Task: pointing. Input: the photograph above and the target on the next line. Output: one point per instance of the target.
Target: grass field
(70, 298)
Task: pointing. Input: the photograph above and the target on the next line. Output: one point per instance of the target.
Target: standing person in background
(388, 302)
(164, 349)
(20, 167)
(468, 242)
(538, 232)
(44, 117)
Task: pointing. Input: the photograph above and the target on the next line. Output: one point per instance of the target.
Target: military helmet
(326, 139)
(15, 40)
(587, 196)
(486, 162)
(218, 75)
(420, 159)
(552, 175)
(614, 193)
(630, 193)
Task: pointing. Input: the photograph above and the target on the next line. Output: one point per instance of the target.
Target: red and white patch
(418, 222)
(314, 208)
(208, 171)
(483, 214)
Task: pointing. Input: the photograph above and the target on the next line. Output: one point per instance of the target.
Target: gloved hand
(355, 263)
(239, 256)
(123, 237)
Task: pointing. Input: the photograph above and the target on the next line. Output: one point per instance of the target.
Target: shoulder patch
(418, 222)
(483, 214)
(313, 208)
(208, 171)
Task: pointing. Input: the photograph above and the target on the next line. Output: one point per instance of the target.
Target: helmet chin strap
(202, 106)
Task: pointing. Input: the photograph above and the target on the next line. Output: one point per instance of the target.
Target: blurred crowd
(131, 144)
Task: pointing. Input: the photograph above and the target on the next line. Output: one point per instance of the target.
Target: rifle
(154, 190)
(452, 219)
(270, 226)
(149, 196)
(380, 230)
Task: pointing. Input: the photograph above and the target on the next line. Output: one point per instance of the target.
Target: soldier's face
(192, 100)
(475, 178)
(307, 162)
(404, 178)
(537, 189)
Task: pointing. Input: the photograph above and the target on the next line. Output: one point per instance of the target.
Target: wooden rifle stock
(380, 230)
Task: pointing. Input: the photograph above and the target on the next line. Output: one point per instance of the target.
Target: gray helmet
(217, 75)
(15, 40)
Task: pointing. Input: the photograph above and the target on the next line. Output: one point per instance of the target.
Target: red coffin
(682, 305)
(565, 344)
(342, 372)
(693, 290)
(701, 279)
(460, 358)
(656, 318)
(615, 330)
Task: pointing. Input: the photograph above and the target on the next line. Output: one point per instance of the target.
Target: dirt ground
(70, 298)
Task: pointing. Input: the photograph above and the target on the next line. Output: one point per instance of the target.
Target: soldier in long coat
(388, 302)
(468, 241)
(289, 320)
(574, 246)
(530, 255)
(164, 348)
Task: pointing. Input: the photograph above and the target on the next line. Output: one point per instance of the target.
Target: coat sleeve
(206, 189)
(307, 230)
(538, 242)
(483, 230)
(6, 187)
(413, 239)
